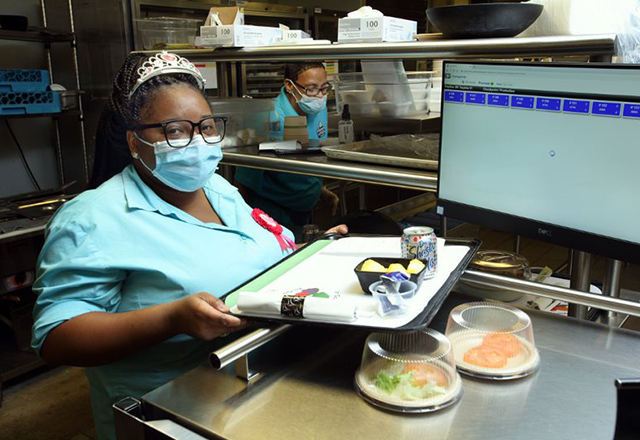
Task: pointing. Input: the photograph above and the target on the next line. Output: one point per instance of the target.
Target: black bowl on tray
(368, 278)
(484, 20)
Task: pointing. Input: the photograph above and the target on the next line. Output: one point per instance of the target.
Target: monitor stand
(611, 287)
(580, 280)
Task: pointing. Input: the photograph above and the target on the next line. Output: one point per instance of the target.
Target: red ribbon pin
(264, 220)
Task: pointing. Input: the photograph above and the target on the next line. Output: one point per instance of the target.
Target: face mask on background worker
(309, 104)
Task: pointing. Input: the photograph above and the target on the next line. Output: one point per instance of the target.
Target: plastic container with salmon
(410, 372)
(492, 341)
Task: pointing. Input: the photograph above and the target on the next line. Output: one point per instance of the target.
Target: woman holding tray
(129, 274)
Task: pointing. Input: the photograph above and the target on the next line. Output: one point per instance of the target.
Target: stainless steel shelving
(13, 362)
(46, 37)
(598, 47)
(317, 164)
(71, 112)
(261, 86)
(35, 36)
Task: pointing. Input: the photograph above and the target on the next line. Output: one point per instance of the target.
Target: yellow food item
(396, 267)
(415, 266)
(372, 266)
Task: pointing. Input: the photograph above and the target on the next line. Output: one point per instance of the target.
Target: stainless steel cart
(306, 391)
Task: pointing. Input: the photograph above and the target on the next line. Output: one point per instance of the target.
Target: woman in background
(290, 198)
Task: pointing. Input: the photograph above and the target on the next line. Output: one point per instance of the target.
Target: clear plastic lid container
(409, 372)
(492, 340)
(383, 95)
(497, 262)
(168, 23)
(247, 120)
(502, 263)
(167, 32)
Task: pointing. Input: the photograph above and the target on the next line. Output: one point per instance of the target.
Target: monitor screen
(549, 151)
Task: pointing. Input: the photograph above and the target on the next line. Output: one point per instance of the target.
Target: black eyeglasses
(314, 90)
(179, 132)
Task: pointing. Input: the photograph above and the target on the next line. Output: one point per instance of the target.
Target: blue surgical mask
(311, 105)
(185, 169)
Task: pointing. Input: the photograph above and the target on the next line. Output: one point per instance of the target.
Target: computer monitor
(548, 151)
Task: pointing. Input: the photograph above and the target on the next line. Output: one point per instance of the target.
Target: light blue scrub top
(121, 247)
(292, 191)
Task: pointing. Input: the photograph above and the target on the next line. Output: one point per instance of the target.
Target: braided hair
(121, 113)
(293, 70)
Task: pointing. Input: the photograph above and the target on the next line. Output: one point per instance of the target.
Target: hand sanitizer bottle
(345, 127)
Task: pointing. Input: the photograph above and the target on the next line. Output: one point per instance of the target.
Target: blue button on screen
(550, 104)
(453, 96)
(475, 98)
(522, 101)
(631, 110)
(576, 106)
(606, 108)
(500, 100)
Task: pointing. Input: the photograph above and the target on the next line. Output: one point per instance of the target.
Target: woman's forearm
(99, 337)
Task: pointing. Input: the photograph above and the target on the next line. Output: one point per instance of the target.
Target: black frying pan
(484, 20)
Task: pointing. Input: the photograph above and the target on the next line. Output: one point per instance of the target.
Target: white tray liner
(332, 270)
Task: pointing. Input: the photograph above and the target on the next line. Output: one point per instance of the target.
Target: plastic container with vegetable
(410, 372)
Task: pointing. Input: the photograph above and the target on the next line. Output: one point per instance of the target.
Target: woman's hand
(204, 316)
(340, 229)
(331, 199)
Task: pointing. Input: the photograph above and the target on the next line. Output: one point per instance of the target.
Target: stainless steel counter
(317, 164)
(307, 391)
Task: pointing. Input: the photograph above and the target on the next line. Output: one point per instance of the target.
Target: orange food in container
(492, 341)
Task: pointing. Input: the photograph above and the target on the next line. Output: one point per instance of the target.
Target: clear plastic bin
(492, 341)
(248, 120)
(410, 372)
(408, 96)
(168, 32)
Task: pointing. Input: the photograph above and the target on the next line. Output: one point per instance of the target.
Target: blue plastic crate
(28, 103)
(24, 80)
